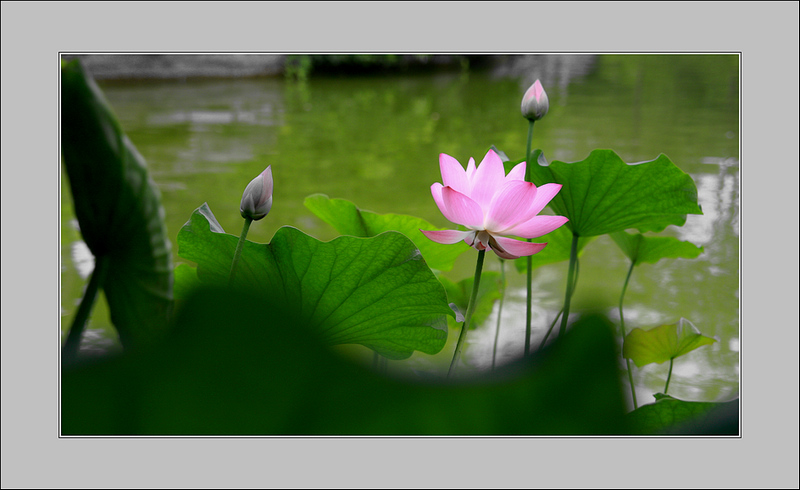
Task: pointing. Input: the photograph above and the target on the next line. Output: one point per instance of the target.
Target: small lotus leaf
(663, 343)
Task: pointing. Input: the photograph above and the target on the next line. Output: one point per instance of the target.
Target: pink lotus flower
(492, 205)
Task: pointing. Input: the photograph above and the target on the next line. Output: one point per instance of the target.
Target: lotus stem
(379, 363)
(500, 309)
(529, 278)
(239, 247)
(573, 260)
(555, 319)
(549, 330)
(73, 342)
(470, 309)
(669, 375)
(622, 330)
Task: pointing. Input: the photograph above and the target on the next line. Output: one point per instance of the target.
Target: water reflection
(553, 70)
(98, 342)
(82, 259)
(200, 118)
(718, 196)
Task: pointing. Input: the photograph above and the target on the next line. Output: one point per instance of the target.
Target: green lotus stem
(669, 375)
(528, 151)
(239, 247)
(528, 304)
(379, 363)
(529, 258)
(73, 342)
(470, 309)
(622, 329)
(553, 324)
(549, 330)
(573, 259)
(500, 309)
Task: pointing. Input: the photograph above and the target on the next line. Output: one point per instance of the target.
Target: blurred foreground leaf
(377, 292)
(118, 209)
(239, 364)
(350, 220)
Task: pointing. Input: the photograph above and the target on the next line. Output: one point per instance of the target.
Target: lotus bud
(257, 197)
(535, 102)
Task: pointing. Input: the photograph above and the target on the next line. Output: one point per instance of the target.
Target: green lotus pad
(640, 248)
(663, 343)
(603, 194)
(377, 292)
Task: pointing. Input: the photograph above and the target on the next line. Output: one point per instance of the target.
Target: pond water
(375, 140)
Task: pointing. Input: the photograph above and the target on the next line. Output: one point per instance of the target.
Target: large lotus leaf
(663, 343)
(603, 194)
(348, 219)
(232, 367)
(640, 248)
(490, 291)
(559, 241)
(118, 209)
(669, 415)
(377, 291)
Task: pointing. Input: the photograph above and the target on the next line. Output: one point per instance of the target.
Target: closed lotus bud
(257, 197)
(535, 102)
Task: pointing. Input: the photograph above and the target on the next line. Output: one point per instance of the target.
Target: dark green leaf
(376, 292)
(669, 415)
(640, 248)
(663, 343)
(602, 194)
(118, 209)
(350, 220)
(186, 281)
(237, 365)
